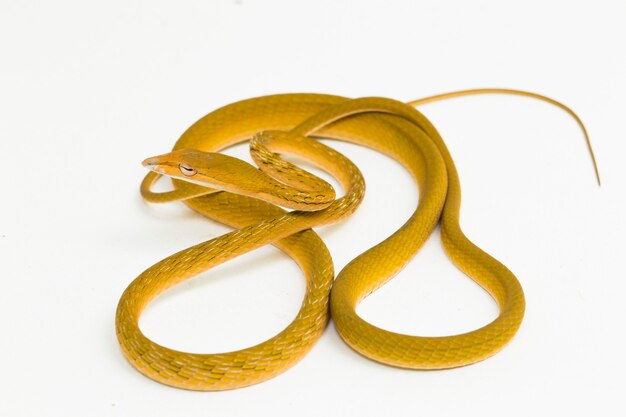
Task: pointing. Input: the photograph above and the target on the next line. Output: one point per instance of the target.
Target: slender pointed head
(184, 164)
(208, 169)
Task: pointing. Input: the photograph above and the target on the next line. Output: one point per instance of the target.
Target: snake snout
(153, 164)
(150, 163)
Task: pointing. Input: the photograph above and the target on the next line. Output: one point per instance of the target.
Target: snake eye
(187, 171)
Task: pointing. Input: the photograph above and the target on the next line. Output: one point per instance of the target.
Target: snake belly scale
(239, 195)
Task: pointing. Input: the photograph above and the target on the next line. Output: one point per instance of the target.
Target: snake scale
(248, 199)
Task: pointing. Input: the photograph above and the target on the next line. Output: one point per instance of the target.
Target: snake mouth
(151, 163)
(155, 164)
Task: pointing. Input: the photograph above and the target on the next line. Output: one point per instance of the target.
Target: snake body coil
(237, 194)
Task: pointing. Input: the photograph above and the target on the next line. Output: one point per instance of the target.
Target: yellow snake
(238, 194)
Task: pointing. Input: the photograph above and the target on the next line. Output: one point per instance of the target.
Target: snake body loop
(239, 195)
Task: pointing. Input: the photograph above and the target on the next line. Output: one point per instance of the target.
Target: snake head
(226, 173)
(208, 169)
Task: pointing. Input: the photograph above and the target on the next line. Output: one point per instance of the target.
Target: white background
(89, 89)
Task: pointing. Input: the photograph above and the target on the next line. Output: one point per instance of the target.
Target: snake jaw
(153, 165)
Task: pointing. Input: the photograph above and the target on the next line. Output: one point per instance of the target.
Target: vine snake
(238, 194)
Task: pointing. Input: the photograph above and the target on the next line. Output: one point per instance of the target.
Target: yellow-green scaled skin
(391, 127)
